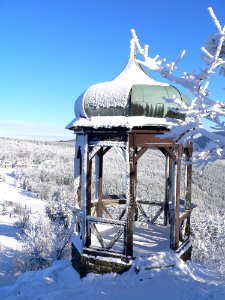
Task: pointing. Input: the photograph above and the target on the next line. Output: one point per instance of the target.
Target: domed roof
(131, 93)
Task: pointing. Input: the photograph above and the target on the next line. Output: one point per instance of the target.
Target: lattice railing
(77, 213)
(144, 214)
(109, 242)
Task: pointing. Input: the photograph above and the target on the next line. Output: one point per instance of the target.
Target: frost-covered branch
(197, 82)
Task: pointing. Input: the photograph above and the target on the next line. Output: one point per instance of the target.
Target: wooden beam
(139, 154)
(177, 207)
(88, 197)
(100, 179)
(130, 211)
(171, 154)
(157, 203)
(103, 253)
(143, 213)
(98, 235)
(188, 153)
(106, 150)
(157, 215)
(166, 201)
(106, 211)
(163, 151)
(93, 152)
(184, 215)
(115, 238)
(97, 220)
(170, 183)
(172, 204)
(77, 173)
(84, 154)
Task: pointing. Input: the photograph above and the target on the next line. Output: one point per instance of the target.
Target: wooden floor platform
(151, 249)
(148, 238)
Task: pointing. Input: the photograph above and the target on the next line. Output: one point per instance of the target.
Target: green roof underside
(144, 100)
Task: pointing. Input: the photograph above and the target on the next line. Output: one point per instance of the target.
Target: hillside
(53, 176)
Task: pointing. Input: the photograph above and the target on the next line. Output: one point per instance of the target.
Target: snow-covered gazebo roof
(131, 99)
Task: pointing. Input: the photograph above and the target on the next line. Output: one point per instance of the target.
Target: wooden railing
(184, 223)
(142, 212)
(120, 226)
(77, 213)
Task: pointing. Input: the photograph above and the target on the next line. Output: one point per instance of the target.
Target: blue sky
(52, 50)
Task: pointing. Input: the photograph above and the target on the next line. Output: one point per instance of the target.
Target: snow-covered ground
(61, 281)
(9, 240)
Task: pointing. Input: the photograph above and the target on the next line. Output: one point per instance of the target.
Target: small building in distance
(20, 164)
(7, 164)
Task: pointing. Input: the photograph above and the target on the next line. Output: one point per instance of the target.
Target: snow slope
(61, 281)
(9, 240)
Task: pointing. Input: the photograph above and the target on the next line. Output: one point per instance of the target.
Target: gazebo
(131, 115)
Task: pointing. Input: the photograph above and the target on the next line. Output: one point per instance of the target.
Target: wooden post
(172, 206)
(188, 189)
(88, 197)
(177, 209)
(77, 172)
(99, 169)
(84, 159)
(170, 185)
(131, 198)
(189, 179)
(166, 201)
(135, 183)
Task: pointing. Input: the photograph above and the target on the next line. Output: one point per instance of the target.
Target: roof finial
(132, 50)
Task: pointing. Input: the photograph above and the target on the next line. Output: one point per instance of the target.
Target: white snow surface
(175, 280)
(9, 240)
(114, 93)
(118, 121)
(61, 281)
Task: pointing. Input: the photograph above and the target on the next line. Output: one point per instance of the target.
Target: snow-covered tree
(197, 82)
(44, 241)
(37, 241)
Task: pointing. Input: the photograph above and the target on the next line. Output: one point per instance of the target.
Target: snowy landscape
(24, 194)
(37, 196)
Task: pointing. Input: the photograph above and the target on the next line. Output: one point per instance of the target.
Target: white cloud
(28, 130)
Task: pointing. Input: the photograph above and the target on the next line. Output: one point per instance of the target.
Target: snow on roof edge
(118, 121)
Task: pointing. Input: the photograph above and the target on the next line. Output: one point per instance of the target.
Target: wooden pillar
(188, 178)
(86, 190)
(135, 182)
(172, 205)
(166, 201)
(170, 185)
(188, 189)
(77, 172)
(130, 197)
(99, 172)
(84, 159)
(177, 209)
(88, 197)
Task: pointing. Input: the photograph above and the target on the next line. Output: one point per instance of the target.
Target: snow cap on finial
(132, 50)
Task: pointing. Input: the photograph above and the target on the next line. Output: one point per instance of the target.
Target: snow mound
(61, 281)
